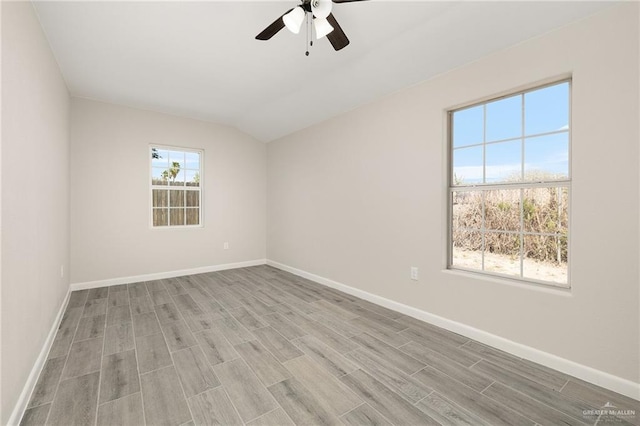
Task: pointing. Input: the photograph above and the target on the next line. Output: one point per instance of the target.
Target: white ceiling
(200, 59)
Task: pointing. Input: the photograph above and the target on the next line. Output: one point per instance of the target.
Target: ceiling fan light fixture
(293, 20)
(321, 8)
(322, 26)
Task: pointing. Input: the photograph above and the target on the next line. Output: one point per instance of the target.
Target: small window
(509, 186)
(176, 187)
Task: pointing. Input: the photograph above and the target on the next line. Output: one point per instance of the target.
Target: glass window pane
(176, 217)
(467, 250)
(467, 165)
(176, 177)
(192, 160)
(160, 217)
(468, 126)
(504, 162)
(193, 216)
(192, 177)
(502, 210)
(502, 253)
(176, 157)
(159, 176)
(159, 157)
(177, 198)
(547, 110)
(193, 198)
(546, 157)
(544, 209)
(467, 210)
(504, 119)
(159, 198)
(545, 258)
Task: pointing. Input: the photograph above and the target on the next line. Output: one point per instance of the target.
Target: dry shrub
(542, 210)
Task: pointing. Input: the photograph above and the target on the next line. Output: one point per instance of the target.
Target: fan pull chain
(311, 30)
(309, 43)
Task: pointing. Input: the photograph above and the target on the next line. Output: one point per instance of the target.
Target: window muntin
(176, 187)
(509, 186)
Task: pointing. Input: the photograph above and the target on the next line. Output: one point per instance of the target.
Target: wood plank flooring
(259, 346)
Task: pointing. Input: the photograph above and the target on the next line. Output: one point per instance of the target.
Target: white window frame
(199, 188)
(564, 183)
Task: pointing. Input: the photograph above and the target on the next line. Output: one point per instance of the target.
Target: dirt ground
(533, 269)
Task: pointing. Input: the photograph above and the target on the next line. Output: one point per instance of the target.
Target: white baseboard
(589, 374)
(163, 275)
(32, 380)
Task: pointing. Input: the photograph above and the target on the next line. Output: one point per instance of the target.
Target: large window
(176, 187)
(509, 185)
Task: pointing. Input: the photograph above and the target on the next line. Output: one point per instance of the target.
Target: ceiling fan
(324, 22)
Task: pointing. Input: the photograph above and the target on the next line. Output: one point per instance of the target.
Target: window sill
(176, 228)
(560, 290)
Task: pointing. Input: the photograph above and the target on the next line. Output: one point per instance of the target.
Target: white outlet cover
(414, 273)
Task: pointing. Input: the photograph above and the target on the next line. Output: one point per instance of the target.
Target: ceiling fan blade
(346, 1)
(272, 29)
(337, 37)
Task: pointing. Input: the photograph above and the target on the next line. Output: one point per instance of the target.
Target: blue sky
(187, 160)
(545, 110)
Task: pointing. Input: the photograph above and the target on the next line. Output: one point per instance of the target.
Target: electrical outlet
(414, 273)
(225, 246)
(61, 271)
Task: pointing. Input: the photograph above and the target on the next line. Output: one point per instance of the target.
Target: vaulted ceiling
(200, 59)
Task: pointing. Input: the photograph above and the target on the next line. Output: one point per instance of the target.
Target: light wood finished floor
(259, 346)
